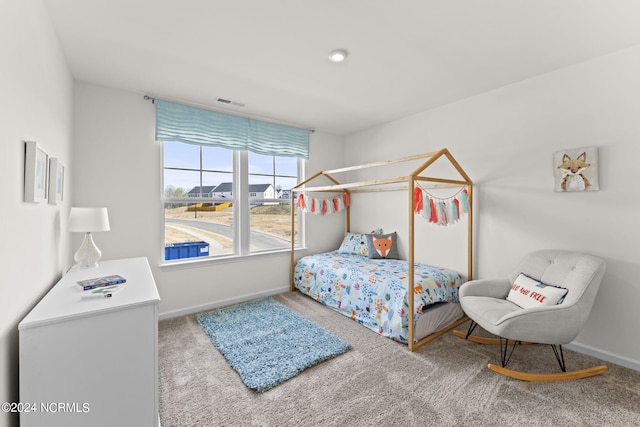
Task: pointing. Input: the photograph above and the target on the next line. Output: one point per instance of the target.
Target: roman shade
(183, 123)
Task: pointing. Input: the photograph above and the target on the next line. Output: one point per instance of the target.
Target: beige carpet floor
(380, 383)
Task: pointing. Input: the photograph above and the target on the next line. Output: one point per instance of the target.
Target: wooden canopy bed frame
(401, 183)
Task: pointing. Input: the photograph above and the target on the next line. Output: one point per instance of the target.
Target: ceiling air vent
(227, 101)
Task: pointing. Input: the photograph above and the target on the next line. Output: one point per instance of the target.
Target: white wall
(505, 139)
(118, 165)
(36, 104)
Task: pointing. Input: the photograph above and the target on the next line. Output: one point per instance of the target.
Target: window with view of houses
(221, 202)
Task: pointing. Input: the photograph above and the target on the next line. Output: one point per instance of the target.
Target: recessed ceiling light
(338, 55)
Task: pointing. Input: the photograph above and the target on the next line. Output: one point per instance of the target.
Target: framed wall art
(56, 181)
(576, 169)
(36, 168)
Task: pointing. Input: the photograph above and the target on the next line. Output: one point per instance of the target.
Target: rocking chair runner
(485, 302)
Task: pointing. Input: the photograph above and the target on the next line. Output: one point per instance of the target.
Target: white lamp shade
(84, 220)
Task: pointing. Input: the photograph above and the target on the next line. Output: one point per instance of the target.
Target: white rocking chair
(485, 302)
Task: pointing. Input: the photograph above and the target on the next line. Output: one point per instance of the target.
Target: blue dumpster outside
(186, 250)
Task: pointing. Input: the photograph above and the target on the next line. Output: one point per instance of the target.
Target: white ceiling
(405, 56)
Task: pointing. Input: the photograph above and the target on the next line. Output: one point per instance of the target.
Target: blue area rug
(266, 343)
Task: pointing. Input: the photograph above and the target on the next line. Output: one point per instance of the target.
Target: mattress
(373, 292)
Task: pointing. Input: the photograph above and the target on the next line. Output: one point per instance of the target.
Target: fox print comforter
(373, 292)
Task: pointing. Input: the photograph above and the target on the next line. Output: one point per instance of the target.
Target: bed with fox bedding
(365, 279)
(373, 292)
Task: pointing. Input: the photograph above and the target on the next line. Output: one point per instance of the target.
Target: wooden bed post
(470, 237)
(293, 241)
(410, 294)
(348, 214)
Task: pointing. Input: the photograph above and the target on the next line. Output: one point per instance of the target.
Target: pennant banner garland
(317, 206)
(440, 211)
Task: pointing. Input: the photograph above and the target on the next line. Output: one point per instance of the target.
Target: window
(221, 202)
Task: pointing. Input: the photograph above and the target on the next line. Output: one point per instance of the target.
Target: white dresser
(92, 362)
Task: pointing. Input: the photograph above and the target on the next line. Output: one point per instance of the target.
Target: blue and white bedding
(374, 291)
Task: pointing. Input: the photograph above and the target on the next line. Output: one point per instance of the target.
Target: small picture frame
(576, 170)
(36, 173)
(56, 181)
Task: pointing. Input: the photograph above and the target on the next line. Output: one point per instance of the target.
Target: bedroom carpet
(267, 343)
(378, 382)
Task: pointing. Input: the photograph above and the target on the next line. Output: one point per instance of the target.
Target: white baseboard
(221, 303)
(604, 355)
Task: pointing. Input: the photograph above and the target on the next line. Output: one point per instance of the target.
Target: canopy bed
(364, 279)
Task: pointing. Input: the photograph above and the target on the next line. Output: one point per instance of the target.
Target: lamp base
(88, 254)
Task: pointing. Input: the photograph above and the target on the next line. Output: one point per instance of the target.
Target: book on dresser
(98, 282)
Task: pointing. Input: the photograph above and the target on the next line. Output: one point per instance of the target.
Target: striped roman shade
(183, 123)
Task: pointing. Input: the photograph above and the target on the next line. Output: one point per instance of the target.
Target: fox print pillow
(383, 246)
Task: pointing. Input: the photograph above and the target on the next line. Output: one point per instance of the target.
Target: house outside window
(220, 202)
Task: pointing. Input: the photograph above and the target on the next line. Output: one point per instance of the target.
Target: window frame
(241, 205)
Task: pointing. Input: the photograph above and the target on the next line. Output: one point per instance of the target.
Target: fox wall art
(576, 169)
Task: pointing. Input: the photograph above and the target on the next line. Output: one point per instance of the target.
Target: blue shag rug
(267, 343)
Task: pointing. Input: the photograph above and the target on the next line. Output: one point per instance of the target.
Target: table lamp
(88, 220)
